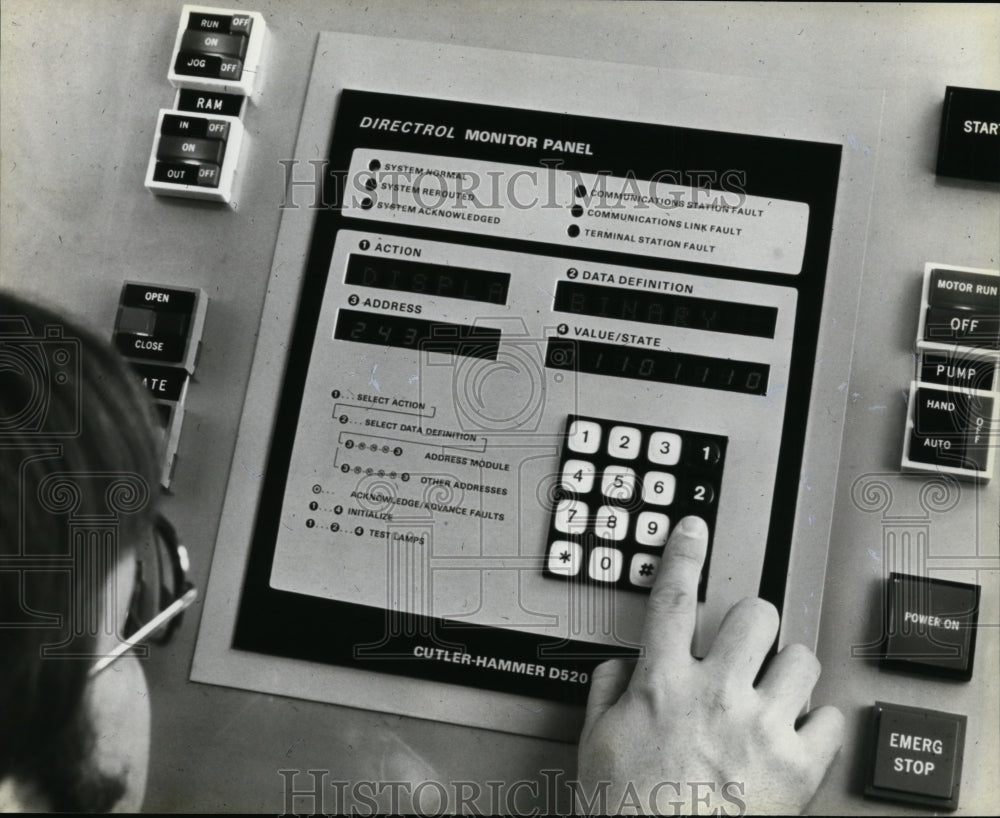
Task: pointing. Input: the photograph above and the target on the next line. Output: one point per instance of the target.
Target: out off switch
(195, 156)
(217, 50)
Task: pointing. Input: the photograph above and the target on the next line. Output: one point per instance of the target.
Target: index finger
(673, 602)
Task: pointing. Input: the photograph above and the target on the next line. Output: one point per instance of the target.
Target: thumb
(608, 682)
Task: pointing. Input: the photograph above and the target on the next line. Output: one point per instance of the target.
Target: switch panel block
(217, 50)
(951, 431)
(160, 324)
(960, 309)
(952, 424)
(195, 155)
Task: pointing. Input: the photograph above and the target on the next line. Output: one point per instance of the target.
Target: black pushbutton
(188, 149)
(931, 625)
(208, 175)
(969, 145)
(209, 42)
(137, 320)
(220, 23)
(964, 290)
(958, 371)
(196, 64)
(176, 173)
(916, 756)
(970, 328)
(951, 428)
(154, 322)
(194, 127)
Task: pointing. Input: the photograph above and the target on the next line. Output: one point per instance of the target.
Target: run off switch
(217, 50)
(160, 324)
(195, 155)
(916, 756)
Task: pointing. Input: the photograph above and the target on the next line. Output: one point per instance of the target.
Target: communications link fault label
(488, 276)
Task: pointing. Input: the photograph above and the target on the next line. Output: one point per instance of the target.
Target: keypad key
(605, 564)
(664, 448)
(584, 436)
(622, 484)
(571, 516)
(625, 442)
(642, 570)
(618, 483)
(611, 523)
(578, 476)
(702, 493)
(565, 558)
(703, 452)
(658, 488)
(652, 528)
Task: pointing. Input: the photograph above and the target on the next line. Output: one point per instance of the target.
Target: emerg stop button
(916, 756)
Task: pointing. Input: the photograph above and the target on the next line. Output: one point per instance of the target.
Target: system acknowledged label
(602, 212)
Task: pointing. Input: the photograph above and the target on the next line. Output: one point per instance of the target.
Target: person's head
(80, 472)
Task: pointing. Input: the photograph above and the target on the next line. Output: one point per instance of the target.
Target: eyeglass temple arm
(157, 621)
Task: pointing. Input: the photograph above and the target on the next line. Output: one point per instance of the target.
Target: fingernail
(692, 526)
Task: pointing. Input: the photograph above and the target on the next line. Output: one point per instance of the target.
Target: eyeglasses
(160, 595)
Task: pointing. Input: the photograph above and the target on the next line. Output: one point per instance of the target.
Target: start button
(917, 756)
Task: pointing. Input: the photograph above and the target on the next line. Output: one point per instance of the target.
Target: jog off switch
(217, 50)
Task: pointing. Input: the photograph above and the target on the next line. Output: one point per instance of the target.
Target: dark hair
(76, 439)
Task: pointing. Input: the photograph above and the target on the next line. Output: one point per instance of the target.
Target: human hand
(671, 733)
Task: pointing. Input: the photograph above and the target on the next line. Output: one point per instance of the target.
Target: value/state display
(518, 360)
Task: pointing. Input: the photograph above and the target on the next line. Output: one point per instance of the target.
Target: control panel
(215, 67)
(478, 408)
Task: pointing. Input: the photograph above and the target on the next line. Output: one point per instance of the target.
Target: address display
(680, 368)
(389, 330)
(664, 309)
(421, 278)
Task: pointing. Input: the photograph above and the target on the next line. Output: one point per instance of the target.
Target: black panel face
(449, 339)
